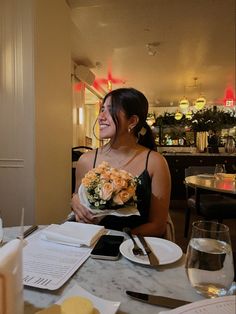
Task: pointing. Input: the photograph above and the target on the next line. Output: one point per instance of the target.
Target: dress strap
(147, 158)
(95, 157)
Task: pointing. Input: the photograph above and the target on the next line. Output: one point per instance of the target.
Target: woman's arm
(84, 164)
(160, 197)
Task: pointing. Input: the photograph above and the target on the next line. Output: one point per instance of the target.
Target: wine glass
(219, 168)
(1, 230)
(209, 259)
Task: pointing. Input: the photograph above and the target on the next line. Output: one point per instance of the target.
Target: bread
(72, 305)
(77, 305)
(54, 309)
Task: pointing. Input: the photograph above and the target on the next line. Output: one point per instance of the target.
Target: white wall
(35, 112)
(16, 112)
(53, 114)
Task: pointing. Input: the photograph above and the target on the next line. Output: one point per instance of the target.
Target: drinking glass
(209, 259)
(219, 168)
(1, 230)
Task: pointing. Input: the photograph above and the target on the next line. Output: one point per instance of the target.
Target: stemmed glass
(219, 168)
(209, 259)
(1, 230)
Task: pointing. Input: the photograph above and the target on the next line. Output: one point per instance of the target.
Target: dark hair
(132, 102)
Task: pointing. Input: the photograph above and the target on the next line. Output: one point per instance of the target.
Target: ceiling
(191, 39)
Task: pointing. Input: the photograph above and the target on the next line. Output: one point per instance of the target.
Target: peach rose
(91, 176)
(121, 198)
(86, 182)
(105, 175)
(119, 184)
(106, 191)
(131, 190)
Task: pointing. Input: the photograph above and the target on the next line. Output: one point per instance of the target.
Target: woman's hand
(82, 214)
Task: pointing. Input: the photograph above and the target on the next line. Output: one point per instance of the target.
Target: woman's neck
(121, 148)
(120, 155)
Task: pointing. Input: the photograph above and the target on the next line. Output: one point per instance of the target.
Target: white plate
(206, 176)
(104, 306)
(210, 306)
(166, 251)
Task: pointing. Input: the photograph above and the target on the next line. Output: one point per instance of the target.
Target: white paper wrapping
(123, 211)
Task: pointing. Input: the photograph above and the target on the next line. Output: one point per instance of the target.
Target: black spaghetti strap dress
(143, 193)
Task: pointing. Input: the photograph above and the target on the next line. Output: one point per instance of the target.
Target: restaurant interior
(59, 58)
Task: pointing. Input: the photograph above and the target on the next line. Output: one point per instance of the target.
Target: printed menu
(48, 265)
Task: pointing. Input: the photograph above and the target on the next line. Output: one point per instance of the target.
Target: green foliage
(202, 120)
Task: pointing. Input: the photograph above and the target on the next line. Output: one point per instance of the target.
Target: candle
(11, 284)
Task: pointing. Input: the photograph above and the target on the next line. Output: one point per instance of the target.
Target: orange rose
(105, 175)
(91, 176)
(131, 190)
(106, 191)
(121, 198)
(119, 184)
(86, 182)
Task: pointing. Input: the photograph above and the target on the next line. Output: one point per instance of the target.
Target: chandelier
(189, 115)
(184, 103)
(200, 101)
(178, 115)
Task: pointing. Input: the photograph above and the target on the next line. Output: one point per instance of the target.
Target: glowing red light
(229, 97)
(78, 87)
(109, 80)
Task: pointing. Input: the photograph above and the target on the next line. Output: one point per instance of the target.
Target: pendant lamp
(188, 115)
(178, 115)
(184, 103)
(200, 103)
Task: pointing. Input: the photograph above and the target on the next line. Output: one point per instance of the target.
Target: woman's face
(106, 124)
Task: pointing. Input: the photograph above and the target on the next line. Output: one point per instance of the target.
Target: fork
(136, 249)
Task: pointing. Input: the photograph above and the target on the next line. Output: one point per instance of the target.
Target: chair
(76, 153)
(209, 205)
(170, 230)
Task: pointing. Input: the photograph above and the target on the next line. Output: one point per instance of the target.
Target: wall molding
(12, 163)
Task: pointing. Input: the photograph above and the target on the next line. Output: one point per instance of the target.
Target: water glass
(1, 231)
(219, 168)
(209, 259)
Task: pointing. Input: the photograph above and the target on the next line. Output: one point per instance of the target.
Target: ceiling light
(184, 103)
(178, 115)
(200, 103)
(188, 115)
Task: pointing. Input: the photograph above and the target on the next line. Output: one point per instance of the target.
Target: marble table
(201, 181)
(110, 280)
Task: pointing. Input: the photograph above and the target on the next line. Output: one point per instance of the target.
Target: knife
(154, 261)
(28, 231)
(157, 299)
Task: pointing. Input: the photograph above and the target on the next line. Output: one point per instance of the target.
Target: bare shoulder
(156, 157)
(86, 160)
(157, 162)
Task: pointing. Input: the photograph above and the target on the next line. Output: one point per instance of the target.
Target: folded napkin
(73, 233)
(11, 285)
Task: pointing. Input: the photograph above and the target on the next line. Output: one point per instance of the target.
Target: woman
(122, 120)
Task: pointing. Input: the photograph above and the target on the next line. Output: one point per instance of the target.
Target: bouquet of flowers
(108, 188)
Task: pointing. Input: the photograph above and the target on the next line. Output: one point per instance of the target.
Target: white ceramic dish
(219, 305)
(166, 251)
(102, 305)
